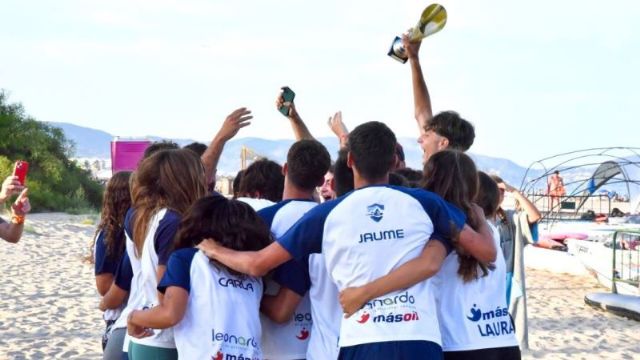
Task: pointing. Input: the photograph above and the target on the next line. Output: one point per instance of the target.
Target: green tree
(55, 182)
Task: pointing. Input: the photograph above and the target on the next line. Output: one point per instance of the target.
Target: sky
(535, 78)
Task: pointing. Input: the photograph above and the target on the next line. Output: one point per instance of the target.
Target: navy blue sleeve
(292, 275)
(103, 264)
(124, 273)
(268, 213)
(445, 217)
(128, 223)
(178, 270)
(166, 232)
(305, 236)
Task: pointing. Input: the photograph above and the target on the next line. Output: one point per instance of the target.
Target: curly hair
(116, 200)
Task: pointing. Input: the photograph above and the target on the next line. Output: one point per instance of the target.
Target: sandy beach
(48, 304)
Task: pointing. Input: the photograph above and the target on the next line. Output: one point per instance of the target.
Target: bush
(55, 183)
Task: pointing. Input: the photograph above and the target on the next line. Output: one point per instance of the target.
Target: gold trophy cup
(432, 20)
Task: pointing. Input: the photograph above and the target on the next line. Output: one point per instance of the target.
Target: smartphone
(287, 95)
(20, 169)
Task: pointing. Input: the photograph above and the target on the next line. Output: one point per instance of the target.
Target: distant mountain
(92, 143)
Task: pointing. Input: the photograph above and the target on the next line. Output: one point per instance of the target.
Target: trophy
(432, 20)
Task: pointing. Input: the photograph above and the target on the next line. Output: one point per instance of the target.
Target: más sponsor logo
(222, 356)
(236, 340)
(401, 299)
(381, 235)
(493, 322)
(375, 212)
(389, 317)
(236, 283)
(394, 318)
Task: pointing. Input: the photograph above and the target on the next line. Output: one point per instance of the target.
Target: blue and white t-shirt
(158, 244)
(365, 235)
(289, 340)
(221, 320)
(105, 264)
(474, 315)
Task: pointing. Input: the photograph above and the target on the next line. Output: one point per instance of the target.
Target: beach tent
(624, 172)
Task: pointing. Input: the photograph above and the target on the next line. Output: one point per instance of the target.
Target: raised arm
(253, 263)
(339, 128)
(300, 130)
(12, 231)
(230, 127)
(421, 99)
(410, 273)
(533, 214)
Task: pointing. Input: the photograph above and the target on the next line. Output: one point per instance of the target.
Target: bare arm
(533, 214)
(230, 127)
(103, 283)
(421, 99)
(167, 314)
(280, 308)
(300, 130)
(113, 298)
(11, 231)
(339, 128)
(410, 273)
(478, 243)
(253, 263)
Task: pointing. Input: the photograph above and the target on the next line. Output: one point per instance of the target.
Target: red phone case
(20, 170)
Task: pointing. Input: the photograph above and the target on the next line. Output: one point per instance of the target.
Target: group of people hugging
(359, 258)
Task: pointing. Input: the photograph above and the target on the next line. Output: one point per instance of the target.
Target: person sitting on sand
(12, 231)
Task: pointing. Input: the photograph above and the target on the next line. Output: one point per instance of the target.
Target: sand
(562, 326)
(48, 303)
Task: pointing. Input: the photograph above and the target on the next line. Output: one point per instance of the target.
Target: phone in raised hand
(287, 95)
(20, 169)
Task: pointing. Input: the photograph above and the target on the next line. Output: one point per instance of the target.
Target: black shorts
(503, 353)
(392, 350)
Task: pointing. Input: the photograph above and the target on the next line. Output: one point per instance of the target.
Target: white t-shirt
(474, 315)
(221, 320)
(289, 340)
(144, 294)
(365, 235)
(256, 204)
(325, 310)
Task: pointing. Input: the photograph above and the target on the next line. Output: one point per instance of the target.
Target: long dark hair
(231, 223)
(453, 175)
(116, 200)
(172, 179)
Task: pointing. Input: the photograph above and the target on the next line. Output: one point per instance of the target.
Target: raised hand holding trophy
(432, 20)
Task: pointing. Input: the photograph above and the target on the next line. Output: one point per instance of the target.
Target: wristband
(17, 219)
